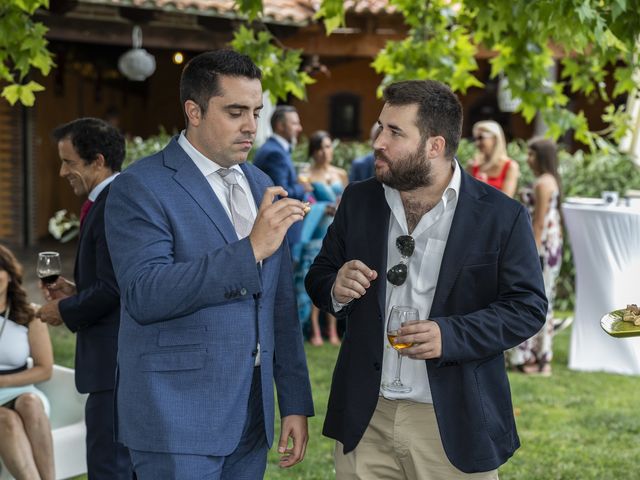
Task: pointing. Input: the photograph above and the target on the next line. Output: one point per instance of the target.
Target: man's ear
(436, 146)
(193, 112)
(100, 161)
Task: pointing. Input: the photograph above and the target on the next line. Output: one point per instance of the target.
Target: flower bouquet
(64, 226)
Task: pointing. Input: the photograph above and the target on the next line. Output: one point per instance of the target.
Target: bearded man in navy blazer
(208, 306)
(91, 152)
(424, 234)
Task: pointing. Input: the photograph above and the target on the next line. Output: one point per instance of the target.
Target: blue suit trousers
(247, 462)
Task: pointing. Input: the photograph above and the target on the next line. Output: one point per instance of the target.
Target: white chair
(67, 424)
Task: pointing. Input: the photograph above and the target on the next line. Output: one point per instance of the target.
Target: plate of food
(622, 323)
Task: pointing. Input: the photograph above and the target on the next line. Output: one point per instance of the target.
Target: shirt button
(376, 366)
(243, 291)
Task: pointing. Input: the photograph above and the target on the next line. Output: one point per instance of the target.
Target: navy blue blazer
(489, 298)
(362, 168)
(276, 162)
(194, 304)
(94, 313)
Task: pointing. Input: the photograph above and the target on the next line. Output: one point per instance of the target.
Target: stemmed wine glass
(49, 267)
(399, 316)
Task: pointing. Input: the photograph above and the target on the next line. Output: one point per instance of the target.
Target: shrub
(139, 147)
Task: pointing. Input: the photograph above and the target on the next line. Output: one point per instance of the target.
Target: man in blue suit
(362, 167)
(208, 306)
(460, 252)
(92, 152)
(274, 159)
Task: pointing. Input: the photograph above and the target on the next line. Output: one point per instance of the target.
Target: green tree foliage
(281, 73)
(588, 38)
(22, 48)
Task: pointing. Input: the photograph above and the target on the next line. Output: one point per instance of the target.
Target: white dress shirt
(97, 190)
(208, 168)
(423, 268)
(288, 146)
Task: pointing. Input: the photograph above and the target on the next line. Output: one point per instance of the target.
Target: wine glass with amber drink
(399, 316)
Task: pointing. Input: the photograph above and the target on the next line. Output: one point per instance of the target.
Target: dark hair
(21, 311)
(280, 113)
(199, 80)
(546, 157)
(439, 110)
(315, 141)
(92, 136)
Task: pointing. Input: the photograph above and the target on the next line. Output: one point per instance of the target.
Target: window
(345, 116)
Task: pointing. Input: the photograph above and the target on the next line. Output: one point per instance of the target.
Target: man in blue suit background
(362, 167)
(208, 306)
(463, 254)
(274, 159)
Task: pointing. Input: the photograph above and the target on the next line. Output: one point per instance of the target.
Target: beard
(406, 173)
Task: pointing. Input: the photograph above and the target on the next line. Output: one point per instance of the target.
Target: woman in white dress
(26, 447)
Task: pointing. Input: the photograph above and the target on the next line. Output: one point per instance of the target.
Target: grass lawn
(572, 425)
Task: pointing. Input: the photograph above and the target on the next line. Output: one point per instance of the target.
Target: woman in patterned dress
(543, 201)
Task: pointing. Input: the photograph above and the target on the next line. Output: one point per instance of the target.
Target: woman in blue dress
(328, 184)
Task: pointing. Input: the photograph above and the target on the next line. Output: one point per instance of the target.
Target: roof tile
(295, 11)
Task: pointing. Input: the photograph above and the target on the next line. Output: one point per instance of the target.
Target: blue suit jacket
(276, 162)
(94, 313)
(194, 303)
(362, 168)
(489, 298)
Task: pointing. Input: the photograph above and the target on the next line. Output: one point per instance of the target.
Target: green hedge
(583, 174)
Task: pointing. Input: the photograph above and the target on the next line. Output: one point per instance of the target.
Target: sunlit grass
(573, 425)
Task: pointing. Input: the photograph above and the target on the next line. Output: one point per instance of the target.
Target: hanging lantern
(506, 101)
(137, 64)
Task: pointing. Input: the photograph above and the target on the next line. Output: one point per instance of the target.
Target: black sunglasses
(397, 274)
(482, 136)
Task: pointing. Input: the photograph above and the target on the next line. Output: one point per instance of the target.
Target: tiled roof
(288, 11)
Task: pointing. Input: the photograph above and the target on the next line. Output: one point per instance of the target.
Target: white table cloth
(605, 241)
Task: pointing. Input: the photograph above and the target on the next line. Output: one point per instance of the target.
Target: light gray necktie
(241, 214)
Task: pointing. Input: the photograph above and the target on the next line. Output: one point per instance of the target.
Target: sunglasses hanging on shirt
(397, 274)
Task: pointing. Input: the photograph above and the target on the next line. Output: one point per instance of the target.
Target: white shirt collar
(97, 190)
(282, 141)
(204, 164)
(450, 194)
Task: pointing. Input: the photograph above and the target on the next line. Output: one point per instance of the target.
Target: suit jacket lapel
(88, 221)
(377, 242)
(194, 183)
(257, 190)
(466, 222)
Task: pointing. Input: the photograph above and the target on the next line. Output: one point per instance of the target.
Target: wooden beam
(361, 44)
(119, 33)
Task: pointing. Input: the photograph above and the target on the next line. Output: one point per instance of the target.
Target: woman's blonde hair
(499, 152)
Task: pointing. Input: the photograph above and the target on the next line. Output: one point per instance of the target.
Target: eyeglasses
(397, 274)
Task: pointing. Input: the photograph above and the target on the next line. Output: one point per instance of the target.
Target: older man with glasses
(460, 252)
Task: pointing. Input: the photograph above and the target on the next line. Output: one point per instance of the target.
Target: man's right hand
(273, 221)
(352, 281)
(61, 288)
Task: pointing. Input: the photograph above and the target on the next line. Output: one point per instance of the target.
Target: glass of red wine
(49, 267)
